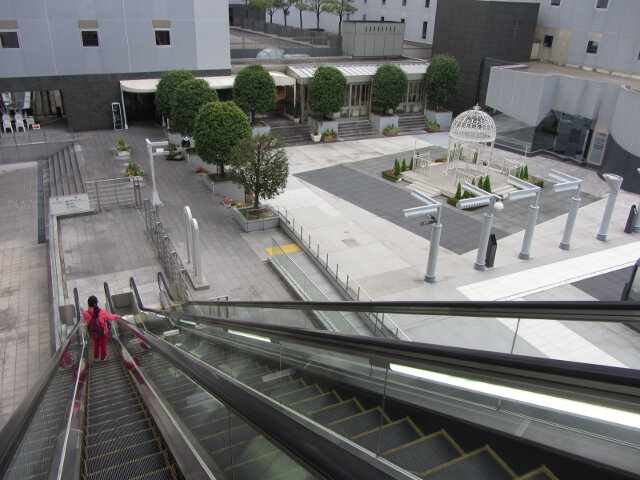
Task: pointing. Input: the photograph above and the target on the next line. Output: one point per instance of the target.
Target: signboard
(69, 204)
(36, 126)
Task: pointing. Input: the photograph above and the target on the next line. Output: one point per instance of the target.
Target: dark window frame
(547, 41)
(427, 3)
(601, 2)
(9, 39)
(160, 42)
(592, 47)
(424, 30)
(87, 38)
(554, 3)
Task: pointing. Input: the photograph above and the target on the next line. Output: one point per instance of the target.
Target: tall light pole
(527, 190)
(566, 183)
(636, 224)
(430, 207)
(155, 149)
(481, 199)
(614, 182)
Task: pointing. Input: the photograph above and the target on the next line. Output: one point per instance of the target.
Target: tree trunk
(340, 26)
(256, 202)
(271, 18)
(300, 18)
(317, 20)
(285, 18)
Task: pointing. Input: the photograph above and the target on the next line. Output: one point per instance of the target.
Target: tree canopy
(270, 6)
(301, 6)
(442, 79)
(260, 166)
(388, 86)
(317, 7)
(166, 86)
(219, 126)
(188, 97)
(254, 90)
(327, 90)
(341, 8)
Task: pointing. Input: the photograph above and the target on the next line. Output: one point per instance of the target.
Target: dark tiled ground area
(606, 287)
(460, 233)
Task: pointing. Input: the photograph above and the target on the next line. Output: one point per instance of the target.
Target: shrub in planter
(404, 165)
(166, 87)
(122, 146)
(442, 80)
(433, 127)
(186, 101)
(390, 130)
(396, 168)
(330, 135)
(388, 86)
(327, 90)
(134, 170)
(390, 175)
(254, 90)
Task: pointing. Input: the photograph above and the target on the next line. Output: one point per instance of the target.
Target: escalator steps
(424, 454)
(225, 438)
(316, 403)
(541, 473)
(140, 436)
(337, 412)
(226, 457)
(114, 414)
(361, 422)
(132, 468)
(478, 465)
(121, 430)
(283, 388)
(125, 454)
(297, 395)
(115, 425)
(388, 437)
(162, 474)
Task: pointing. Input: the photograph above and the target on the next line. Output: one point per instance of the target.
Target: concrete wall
(618, 26)
(620, 161)
(472, 30)
(372, 39)
(50, 37)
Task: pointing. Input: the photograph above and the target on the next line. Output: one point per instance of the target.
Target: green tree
(525, 173)
(188, 97)
(396, 168)
(286, 7)
(218, 128)
(254, 90)
(301, 6)
(317, 7)
(459, 191)
(487, 184)
(411, 164)
(340, 8)
(270, 6)
(166, 86)
(327, 90)
(404, 164)
(388, 86)
(260, 166)
(442, 79)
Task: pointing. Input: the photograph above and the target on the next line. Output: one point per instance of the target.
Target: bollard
(633, 213)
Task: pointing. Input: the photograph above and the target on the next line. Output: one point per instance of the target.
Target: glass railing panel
(34, 454)
(228, 445)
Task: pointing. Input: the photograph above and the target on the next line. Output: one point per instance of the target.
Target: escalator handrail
(134, 288)
(314, 447)
(107, 293)
(423, 355)
(11, 433)
(162, 283)
(606, 312)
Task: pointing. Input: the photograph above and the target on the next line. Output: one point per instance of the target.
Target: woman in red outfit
(101, 317)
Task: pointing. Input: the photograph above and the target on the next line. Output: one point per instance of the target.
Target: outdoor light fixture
(430, 208)
(159, 150)
(527, 190)
(481, 199)
(614, 182)
(567, 183)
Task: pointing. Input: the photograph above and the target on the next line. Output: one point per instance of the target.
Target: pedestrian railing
(380, 323)
(114, 192)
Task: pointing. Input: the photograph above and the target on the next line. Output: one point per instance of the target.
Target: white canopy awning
(149, 85)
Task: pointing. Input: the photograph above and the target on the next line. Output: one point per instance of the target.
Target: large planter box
(260, 130)
(380, 122)
(225, 189)
(443, 118)
(258, 224)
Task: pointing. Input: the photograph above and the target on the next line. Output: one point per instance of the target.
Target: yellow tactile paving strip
(279, 250)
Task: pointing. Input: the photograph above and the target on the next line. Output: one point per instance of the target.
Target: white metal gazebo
(471, 140)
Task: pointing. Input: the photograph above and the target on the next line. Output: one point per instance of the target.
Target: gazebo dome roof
(473, 126)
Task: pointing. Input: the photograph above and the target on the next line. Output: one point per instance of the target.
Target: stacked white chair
(6, 123)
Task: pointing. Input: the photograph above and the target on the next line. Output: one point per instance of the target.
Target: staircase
(418, 182)
(411, 124)
(62, 173)
(293, 133)
(432, 455)
(356, 130)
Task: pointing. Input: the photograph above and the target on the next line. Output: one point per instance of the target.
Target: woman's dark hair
(93, 302)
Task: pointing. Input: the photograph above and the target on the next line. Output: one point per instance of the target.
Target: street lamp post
(567, 182)
(636, 224)
(430, 207)
(482, 198)
(527, 190)
(155, 149)
(614, 182)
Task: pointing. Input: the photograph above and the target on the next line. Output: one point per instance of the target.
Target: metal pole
(195, 235)
(187, 218)
(430, 276)
(531, 225)
(614, 182)
(571, 220)
(484, 237)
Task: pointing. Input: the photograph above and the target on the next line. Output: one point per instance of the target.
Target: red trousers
(100, 347)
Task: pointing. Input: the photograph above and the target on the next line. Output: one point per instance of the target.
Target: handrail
(11, 433)
(312, 446)
(136, 294)
(510, 368)
(107, 293)
(605, 312)
(162, 282)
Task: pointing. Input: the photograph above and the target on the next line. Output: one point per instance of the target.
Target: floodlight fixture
(614, 182)
(421, 211)
(527, 189)
(424, 198)
(565, 182)
(473, 190)
(155, 149)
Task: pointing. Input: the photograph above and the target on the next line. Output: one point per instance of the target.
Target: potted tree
(164, 92)
(187, 99)
(388, 86)
(261, 166)
(442, 81)
(315, 135)
(327, 94)
(219, 126)
(254, 91)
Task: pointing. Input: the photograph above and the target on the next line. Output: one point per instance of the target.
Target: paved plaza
(336, 194)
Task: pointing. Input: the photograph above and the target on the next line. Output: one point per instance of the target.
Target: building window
(9, 40)
(364, 17)
(592, 46)
(638, 54)
(602, 4)
(404, 3)
(384, 2)
(427, 3)
(555, 3)
(548, 41)
(424, 30)
(90, 38)
(163, 37)
(402, 21)
(382, 19)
